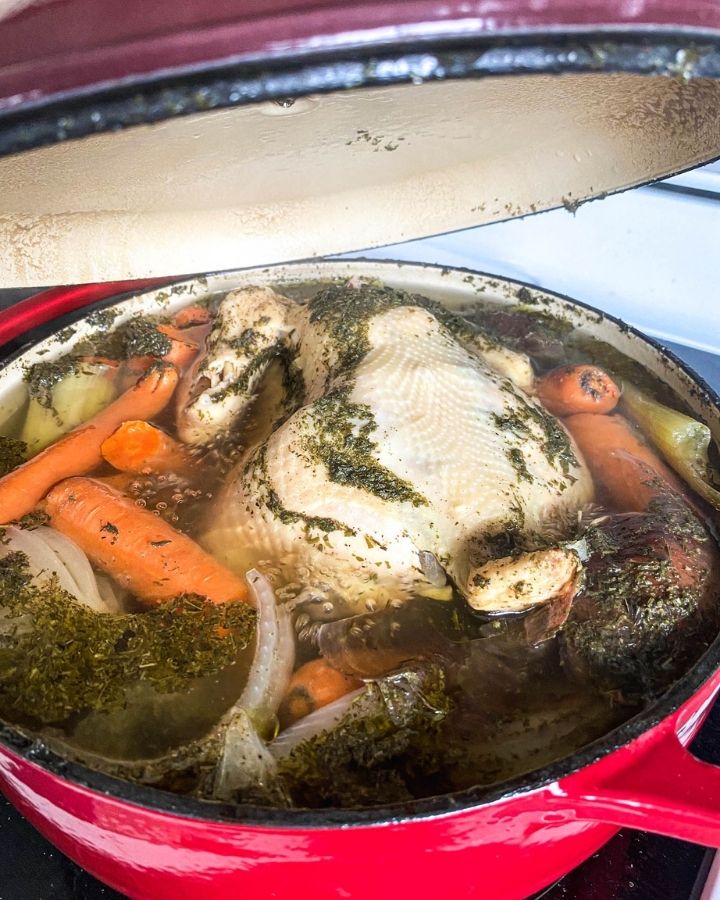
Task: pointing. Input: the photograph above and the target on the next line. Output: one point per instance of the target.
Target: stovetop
(665, 268)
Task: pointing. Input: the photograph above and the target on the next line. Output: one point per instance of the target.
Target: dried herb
(341, 439)
(59, 658)
(13, 452)
(373, 753)
(345, 312)
(42, 377)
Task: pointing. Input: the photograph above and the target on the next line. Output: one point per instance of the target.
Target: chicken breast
(408, 435)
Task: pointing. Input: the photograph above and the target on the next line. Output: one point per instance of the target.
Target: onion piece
(51, 553)
(112, 595)
(245, 762)
(323, 719)
(274, 659)
(41, 559)
(77, 564)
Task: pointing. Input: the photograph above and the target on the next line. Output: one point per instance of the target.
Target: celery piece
(682, 441)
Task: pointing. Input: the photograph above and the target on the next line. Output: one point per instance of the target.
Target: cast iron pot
(505, 842)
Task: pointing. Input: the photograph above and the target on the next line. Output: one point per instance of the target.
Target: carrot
(315, 684)
(568, 390)
(78, 451)
(112, 364)
(190, 316)
(120, 481)
(138, 549)
(628, 470)
(138, 446)
(182, 352)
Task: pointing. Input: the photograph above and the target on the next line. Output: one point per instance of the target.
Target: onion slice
(51, 553)
(323, 719)
(245, 762)
(274, 660)
(78, 566)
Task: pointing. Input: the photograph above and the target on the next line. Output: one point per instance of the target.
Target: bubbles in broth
(338, 545)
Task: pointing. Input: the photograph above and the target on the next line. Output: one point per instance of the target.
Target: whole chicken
(408, 448)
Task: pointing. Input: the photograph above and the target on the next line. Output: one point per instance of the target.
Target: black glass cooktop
(632, 866)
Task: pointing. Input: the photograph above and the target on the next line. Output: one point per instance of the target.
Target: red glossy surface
(56, 302)
(67, 45)
(506, 849)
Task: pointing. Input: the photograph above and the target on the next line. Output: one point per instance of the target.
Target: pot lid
(199, 136)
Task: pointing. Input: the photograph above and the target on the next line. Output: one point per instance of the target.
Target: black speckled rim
(163, 802)
(664, 51)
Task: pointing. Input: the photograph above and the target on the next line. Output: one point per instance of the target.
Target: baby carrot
(568, 390)
(629, 471)
(315, 684)
(138, 549)
(138, 446)
(78, 451)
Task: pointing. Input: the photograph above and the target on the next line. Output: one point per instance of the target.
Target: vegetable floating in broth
(345, 550)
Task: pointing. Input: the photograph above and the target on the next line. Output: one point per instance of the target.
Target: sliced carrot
(190, 316)
(78, 451)
(627, 469)
(568, 390)
(135, 547)
(138, 446)
(315, 684)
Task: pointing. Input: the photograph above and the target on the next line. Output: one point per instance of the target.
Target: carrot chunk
(568, 390)
(138, 446)
(314, 684)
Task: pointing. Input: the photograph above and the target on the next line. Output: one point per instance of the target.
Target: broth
(448, 590)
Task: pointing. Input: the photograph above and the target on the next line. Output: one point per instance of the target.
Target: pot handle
(666, 790)
(56, 302)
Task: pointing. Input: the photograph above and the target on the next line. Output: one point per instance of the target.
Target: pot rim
(163, 802)
(155, 96)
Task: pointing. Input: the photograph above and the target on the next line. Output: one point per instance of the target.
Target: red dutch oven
(138, 142)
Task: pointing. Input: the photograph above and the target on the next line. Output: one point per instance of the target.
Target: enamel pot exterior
(504, 843)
